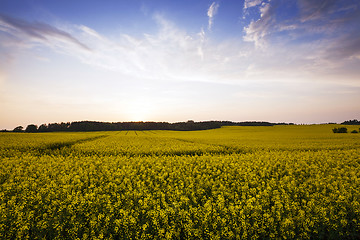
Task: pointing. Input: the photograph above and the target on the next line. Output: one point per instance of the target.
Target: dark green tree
(43, 128)
(351, 122)
(18, 129)
(31, 128)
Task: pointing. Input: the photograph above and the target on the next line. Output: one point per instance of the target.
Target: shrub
(354, 131)
(340, 130)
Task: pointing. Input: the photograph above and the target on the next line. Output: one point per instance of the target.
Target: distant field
(291, 182)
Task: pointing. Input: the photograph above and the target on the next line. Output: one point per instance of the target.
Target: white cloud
(259, 29)
(201, 34)
(336, 21)
(212, 11)
(172, 54)
(251, 3)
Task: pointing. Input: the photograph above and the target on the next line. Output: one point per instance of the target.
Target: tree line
(351, 122)
(85, 126)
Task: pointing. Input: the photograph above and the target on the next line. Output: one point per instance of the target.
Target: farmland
(280, 182)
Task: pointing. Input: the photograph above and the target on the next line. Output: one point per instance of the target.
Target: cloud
(333, 20)
(258, 30)
(251, 3)
(312, 10)
(202, 35)
(173, 54)
(35, 30)
(170, 53)
(212, 11)
(346, 46)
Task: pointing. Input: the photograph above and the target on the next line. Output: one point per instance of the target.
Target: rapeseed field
(280, 182)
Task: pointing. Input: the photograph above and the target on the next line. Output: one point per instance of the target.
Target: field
(280, 182)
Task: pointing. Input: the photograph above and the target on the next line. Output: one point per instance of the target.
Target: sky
(171, 60)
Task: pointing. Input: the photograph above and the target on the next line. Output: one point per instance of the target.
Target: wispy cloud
(334, 20)
(173, 54)
(201, 34)
(313, 10)
(16, 27)
(251, 3)
(212, 11)
(170, 53)
(258, 30)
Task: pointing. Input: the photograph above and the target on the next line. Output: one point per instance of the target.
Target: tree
(31, 128)
(18, 129)
(351, 122)
(43, 128)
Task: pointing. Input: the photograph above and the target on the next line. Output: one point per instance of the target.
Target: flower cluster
(228, 183)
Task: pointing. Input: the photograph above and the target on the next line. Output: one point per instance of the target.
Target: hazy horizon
(251, 60)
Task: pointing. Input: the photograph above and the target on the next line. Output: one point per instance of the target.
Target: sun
(139, 110)
(138, 114)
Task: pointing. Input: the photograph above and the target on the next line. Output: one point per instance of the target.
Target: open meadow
(279, 182)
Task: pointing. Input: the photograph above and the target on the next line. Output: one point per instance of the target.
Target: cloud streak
(313, 10)
(36, 30)
(212, 11)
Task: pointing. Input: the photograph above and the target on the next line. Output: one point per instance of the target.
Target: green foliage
(354, 131)
(351, 122)
(340, 130)
(18, 129)
(281, 182)
(31, 128)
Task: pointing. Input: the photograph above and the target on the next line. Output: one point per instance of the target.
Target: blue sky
(280, 61)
